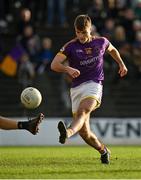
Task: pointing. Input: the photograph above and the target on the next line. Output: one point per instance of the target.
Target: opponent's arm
(59, 66)
(116, 56)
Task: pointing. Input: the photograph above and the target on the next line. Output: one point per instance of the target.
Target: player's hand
(122, 70)
(74, 73)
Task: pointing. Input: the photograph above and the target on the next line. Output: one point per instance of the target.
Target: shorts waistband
(95, 81)
(98, 81)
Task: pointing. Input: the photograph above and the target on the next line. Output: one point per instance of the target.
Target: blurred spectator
(137, 52)
(76, 7)
(137, 42)
(26, 71)
(37, 8)
(97, 13)
(55, 7)
(3, 23)
(110, 8)
(108, 29)
(137, 9)
(124, 48)
(45, 56)
(127, 22)
(24, 20)
(119, 36)
(137, 25)
(119, 40)
(134, 3)
(94, 31)
(31, 43)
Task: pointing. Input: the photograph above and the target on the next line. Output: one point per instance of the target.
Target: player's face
(84, 35)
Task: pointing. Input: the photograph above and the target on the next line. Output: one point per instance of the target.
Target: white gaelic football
(31, 98)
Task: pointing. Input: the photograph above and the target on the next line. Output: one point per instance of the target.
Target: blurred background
(32, 32)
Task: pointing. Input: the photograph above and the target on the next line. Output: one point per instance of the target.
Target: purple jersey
(87, 58)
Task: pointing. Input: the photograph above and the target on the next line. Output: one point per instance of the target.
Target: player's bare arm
(116, 56)
(59, 66)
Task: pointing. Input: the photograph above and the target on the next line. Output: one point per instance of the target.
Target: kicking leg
(85, 108)
(90, 138)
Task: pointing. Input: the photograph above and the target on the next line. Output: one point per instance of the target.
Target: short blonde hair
(82, 21)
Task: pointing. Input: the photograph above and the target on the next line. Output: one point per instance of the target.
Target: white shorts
(88, 89)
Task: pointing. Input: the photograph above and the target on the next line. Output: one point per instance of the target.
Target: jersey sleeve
(106, 43)
(65, 50)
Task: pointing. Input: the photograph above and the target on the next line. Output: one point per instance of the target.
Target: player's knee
(83, 111)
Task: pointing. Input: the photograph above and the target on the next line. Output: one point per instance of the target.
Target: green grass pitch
(69, 163)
